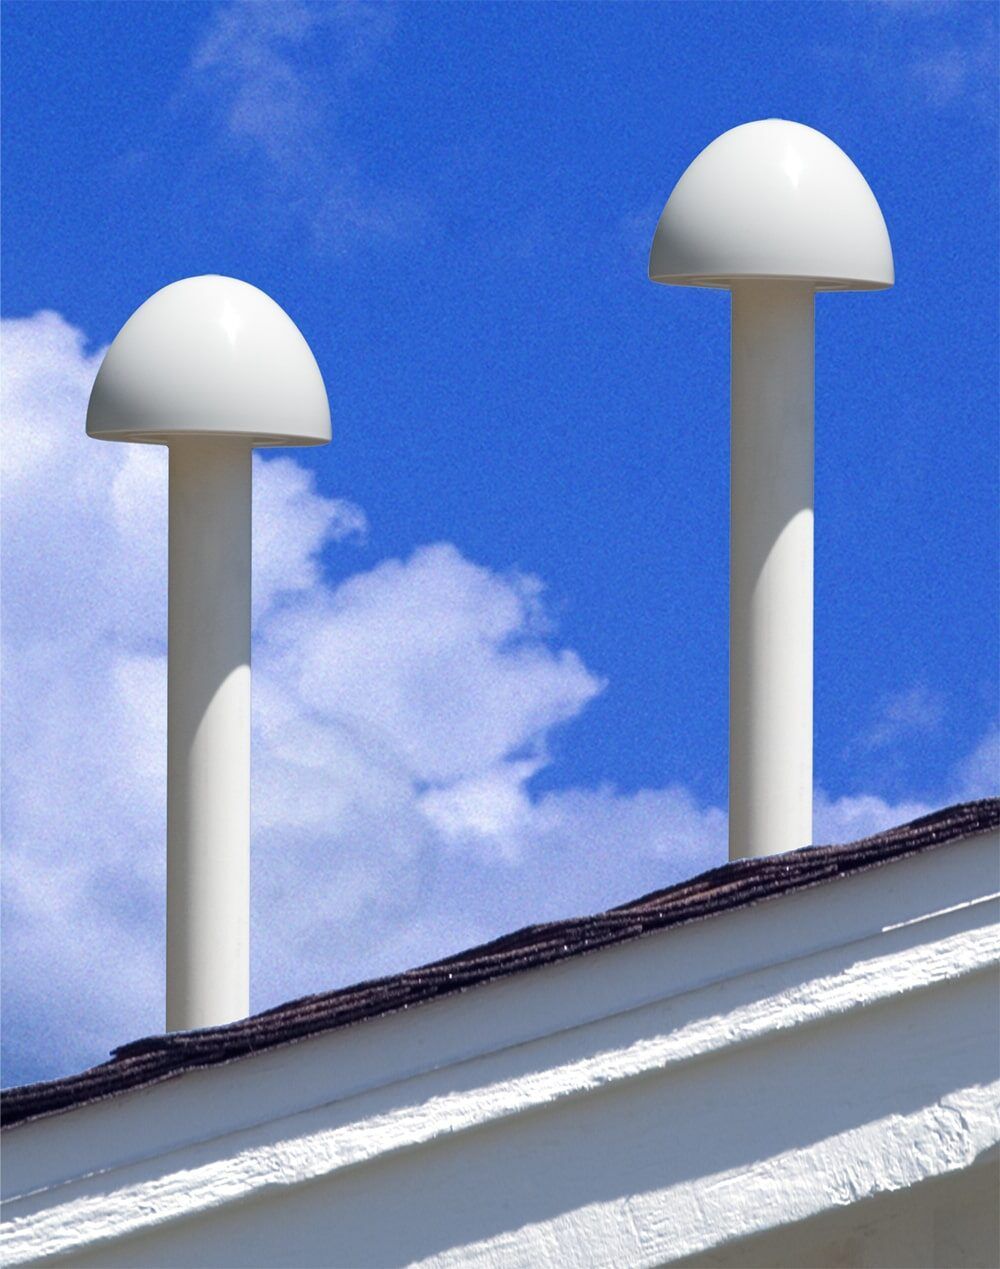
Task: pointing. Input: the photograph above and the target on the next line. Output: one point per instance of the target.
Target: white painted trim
(492, 1017)
(708, 1212)
(916, 948)
(291, 1152)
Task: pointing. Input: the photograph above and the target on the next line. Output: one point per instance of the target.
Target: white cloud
(850, 818)
(953, 74)
(273, 76)
(398, 720)
(84, 576)
(916, 711)
(939, 55)
(854, 816)
(978, 775)
(248, 50)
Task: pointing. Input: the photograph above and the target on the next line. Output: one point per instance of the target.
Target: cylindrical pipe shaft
(208, 726)
(771, 568)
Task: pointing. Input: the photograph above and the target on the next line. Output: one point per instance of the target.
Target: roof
(734, 885)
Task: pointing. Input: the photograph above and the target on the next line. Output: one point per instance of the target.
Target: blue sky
(508, 573)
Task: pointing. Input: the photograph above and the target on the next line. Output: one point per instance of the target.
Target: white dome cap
(773, 199)
(210, 356)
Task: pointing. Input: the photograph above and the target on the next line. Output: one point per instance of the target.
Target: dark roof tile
(734, 885)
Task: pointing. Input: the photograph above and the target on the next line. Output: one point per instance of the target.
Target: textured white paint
(494, 1016)
(954, 1220)
(706, 1106)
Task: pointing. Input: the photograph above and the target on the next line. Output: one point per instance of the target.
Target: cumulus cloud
(399, 717)
(84, 695)
(849, 817)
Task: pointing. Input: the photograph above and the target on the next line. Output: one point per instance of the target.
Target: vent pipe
(772, 211)
(211, 368)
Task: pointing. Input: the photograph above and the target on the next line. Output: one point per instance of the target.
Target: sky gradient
(491, 617)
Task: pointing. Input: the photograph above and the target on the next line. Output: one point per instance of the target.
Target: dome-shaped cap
(773, 199)
(210, 356)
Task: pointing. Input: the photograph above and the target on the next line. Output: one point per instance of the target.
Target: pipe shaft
(208, 740)
(771, 568)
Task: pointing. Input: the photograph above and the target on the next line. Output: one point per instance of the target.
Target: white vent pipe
(210, 367)
(771, 568)
(208, 733)
(773, 211)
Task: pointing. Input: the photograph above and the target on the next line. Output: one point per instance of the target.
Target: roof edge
(731, 886)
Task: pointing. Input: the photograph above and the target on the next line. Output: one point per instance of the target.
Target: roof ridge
(737, 884)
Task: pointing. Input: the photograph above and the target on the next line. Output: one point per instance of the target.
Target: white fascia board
(310, 1111)
(343, 1063)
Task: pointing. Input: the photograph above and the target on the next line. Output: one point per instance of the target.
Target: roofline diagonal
(736, 885)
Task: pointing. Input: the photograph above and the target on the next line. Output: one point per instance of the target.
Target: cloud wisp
(399, 717)
(272, 76)
(917, 711)
(940, 56)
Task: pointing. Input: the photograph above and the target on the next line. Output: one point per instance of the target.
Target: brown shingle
(734, 885)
